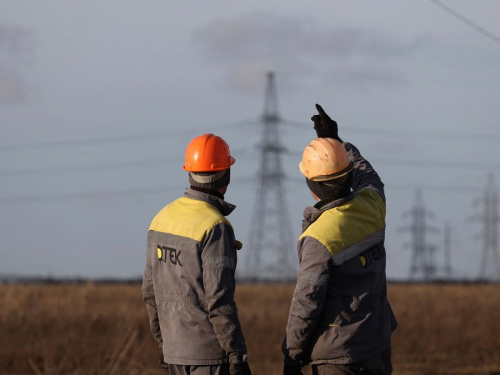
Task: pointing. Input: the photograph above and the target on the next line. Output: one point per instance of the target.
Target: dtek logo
(372, 254)
(173, 255)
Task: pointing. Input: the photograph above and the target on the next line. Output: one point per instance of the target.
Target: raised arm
(364, 176)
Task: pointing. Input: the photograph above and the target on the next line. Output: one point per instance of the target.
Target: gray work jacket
(189, 285)
(339, 312)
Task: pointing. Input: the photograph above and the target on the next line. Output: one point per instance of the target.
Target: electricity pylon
(490, 264)
(422, 260)
(270, 239)
(448, 270)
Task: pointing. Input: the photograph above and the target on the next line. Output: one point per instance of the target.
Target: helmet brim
(329, 177)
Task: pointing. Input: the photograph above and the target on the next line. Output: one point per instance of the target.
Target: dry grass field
(103, 329)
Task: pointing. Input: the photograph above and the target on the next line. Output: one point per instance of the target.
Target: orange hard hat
(325, 159)
(207, 153)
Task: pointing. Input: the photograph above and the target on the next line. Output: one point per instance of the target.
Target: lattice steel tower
(422, 261)
(448, 269)
(490, 264)
(270, 242)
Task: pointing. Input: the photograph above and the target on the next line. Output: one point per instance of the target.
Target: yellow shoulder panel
(342, 226)
(188, 218)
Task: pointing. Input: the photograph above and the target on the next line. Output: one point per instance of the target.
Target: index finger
(320, 109)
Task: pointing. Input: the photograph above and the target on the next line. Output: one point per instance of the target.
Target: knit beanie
(210, 180)
(329, 190)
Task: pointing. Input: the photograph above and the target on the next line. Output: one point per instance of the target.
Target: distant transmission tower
(448, 270)
(422, 261)
(270, 240)
(490, 265)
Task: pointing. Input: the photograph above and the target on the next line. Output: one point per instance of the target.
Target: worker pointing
(188, 282)
(340, 320)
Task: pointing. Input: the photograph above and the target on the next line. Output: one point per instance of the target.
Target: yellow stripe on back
(187, 218)
(343, 226)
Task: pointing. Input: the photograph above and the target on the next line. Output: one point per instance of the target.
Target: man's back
(188, 281)
(179, 251)
(340, 320)
(348, 237)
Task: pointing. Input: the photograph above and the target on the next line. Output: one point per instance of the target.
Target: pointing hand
(325, 127)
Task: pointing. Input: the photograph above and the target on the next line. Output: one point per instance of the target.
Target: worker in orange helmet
(188, 282)
(340, 320)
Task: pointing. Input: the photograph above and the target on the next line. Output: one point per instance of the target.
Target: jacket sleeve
(219, 264)
(308, 297)
(364, 176)
(149, 295)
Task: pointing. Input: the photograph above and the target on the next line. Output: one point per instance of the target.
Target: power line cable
(492, 137)
(88, 194)
(240, 152)
(380, 162)
(448, 189)
(437, 164)
(398, 186)
(428, 164)
(428, 135)
(83, 168)
(467, 21)
(81, 142)
(242, 124)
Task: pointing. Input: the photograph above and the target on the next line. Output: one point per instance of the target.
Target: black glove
(325, 127)
(289, 369)
(163, 365)
(239, 369)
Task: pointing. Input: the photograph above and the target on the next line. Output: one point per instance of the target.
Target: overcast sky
(98, 100)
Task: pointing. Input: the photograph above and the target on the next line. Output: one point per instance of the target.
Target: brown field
(103, 329)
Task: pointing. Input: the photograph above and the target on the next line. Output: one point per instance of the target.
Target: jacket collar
(225, 208)
(311, 214)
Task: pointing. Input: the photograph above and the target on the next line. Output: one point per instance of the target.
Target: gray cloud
(252, 43)
(12, 87)
(17, 46)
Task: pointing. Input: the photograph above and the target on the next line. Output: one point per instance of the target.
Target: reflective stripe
(359, 247)
(312, 278)
(219, 262)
